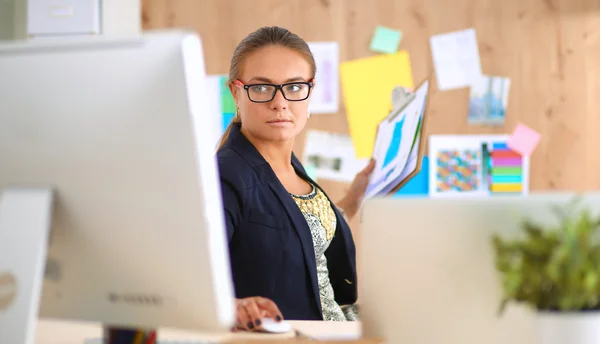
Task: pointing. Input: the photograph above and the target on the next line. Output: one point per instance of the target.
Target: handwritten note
(325, 95)
(456, 59)
(385, 40)
(523, 140)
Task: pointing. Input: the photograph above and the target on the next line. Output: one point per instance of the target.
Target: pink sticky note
(523, 140)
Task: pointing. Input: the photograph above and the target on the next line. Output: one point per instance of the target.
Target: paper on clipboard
(397, 150)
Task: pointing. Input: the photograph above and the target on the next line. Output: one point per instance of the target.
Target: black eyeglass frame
(280, 87)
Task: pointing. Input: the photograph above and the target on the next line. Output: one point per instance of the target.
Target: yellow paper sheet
(367, 86)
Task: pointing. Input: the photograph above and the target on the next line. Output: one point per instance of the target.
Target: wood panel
(550, 49)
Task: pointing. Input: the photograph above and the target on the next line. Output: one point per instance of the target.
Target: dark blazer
(270, 243)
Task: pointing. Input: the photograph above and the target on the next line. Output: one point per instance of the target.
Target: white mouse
(272, 326)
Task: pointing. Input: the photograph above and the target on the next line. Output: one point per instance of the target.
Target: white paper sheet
(396, 151)
(331, 156)
(456, 59)
(325, 95)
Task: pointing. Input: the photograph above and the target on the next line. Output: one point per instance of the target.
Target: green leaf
(552, 267)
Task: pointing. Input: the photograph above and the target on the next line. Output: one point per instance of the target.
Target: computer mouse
(272, 326)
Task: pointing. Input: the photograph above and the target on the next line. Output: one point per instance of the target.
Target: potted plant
(556, 271)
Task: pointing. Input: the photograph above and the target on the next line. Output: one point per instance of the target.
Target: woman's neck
(277, 153)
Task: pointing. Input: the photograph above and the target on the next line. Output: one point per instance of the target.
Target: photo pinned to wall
(488, 100)
(325, 94)
(331, 156)
(475, 165)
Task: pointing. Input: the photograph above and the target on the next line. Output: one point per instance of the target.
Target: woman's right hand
(251, 310)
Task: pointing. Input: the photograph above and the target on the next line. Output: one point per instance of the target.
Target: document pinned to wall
(456, 59)
(325, 95)
(366, 87)
(331, 156)
(488, 100)
(475, 166)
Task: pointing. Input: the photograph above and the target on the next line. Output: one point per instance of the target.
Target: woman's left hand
(354, 197)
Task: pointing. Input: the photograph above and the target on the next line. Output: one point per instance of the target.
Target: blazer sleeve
(232, 194)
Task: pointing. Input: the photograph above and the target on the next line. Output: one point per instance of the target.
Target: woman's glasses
(262, 93)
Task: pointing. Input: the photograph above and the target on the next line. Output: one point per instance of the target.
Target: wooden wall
(550, 49)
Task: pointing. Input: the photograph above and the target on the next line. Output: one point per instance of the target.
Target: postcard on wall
(325, 95)
(488, 100)
(456, 59)
(475, 165)
(331, 156)
(397, 147)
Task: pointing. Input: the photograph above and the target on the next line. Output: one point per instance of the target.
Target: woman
(292, 252)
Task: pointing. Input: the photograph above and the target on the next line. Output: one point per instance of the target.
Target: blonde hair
(260, 38)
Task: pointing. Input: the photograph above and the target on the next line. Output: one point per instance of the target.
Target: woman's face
(278, 119)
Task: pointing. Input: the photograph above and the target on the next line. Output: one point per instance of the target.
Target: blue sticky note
(385, 40)
(419, 184)
(227, 117)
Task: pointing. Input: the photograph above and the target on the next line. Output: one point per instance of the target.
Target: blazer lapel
(301, 227)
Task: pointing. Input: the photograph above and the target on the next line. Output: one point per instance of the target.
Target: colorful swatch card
(476, 165)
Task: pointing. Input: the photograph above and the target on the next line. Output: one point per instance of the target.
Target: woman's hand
(251, 310)
(353, 199)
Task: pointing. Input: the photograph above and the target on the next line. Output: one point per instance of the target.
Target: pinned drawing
(325, 94)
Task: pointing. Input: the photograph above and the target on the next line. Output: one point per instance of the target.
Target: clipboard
(399, 156)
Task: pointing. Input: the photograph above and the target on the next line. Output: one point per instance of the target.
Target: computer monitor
(117, 129)
(427, 270)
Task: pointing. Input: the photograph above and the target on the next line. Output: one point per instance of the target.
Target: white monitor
(427, 270)
(117, 129)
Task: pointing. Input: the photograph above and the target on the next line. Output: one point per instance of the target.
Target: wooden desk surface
(64, 332)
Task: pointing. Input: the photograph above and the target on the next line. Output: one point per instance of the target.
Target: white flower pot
(568, 327)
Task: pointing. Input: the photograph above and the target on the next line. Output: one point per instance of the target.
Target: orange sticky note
(523, 140)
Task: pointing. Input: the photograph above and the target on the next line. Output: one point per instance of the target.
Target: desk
(68, 332)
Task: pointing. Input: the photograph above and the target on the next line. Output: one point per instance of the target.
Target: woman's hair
(261, 38)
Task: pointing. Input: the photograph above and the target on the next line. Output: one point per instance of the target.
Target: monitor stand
(25, 226)
(25, 220)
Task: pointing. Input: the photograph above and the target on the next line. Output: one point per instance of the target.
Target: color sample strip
(506, 169)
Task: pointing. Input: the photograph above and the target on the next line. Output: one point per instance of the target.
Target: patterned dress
(321, 219)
